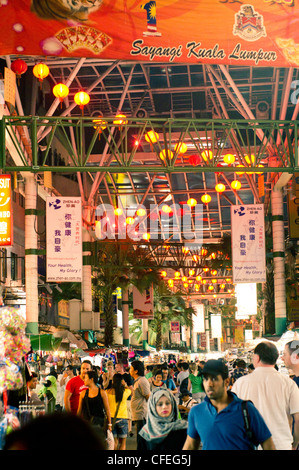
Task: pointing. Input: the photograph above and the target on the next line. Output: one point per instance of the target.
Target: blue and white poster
(64, 239)
(248, 243)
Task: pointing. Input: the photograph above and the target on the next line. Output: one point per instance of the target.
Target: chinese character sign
(64, 239)
(248, 243)
(6, 228)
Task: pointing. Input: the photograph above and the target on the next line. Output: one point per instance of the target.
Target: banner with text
(64, 239)
(248, 243)
(260, 33)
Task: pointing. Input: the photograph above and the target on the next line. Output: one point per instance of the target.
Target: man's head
(215, 379)
(265, 354)
(85, 366)
(119, 368)
(290, 354)
(32, 382)
(185, 395)
(137, 369)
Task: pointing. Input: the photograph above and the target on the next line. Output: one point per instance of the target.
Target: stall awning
(44, 342)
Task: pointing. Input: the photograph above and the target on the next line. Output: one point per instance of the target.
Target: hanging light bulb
(192, 202)
(236, 185)
(206, 198)
(181, 147)
(166, 153)
(207, 155)
(152, 137)
(220, 188)
(229, 158)
(41, 71)
(81, 99)
(60, 91)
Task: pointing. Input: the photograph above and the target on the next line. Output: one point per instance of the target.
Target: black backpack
(246, 418)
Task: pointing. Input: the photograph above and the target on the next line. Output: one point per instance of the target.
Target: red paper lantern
(194, 160)
(19, 67)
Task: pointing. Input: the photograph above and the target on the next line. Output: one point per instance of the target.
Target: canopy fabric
(67, 336)
(208, 31)
(44, 342)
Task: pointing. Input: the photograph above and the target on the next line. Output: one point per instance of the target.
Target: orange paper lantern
(41, 71)
(81, 99)
(60, 91)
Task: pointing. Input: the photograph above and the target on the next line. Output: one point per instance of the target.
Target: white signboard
(198, 318)
(248, 243)
(64, 239)
(216, 325)
(143, 303)
(246, 300)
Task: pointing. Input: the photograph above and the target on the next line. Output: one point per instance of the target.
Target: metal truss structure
(249, 112)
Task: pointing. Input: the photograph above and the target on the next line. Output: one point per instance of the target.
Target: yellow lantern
(211, 287)
(236, 185)
(41, 71)
(141, 212)
(206, 198)
(146, 236)
(240, 172)
(120, 120)
(118, 211)
(186, 285)
(229, 158)
(170, 282)
(166, 153)
(207, 155)
(166, 209)
(192, 202)
(260, 166)
(184, 279)
(177, 274)
(191, 272)
(181, 147)
(60, 91)
(163, 273)
(220, 188)
(250, 159)
(151, 137)
(130, 220)
(99, 124)
(198, 278)
(81, 99)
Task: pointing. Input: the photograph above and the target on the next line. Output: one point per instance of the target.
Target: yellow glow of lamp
(250, 159)
(130, 220)
(170, 282)
(192, 202)
(186, 285)
(220, 188)
(141, 212)
(41, 71)
(181, 147)
(120, 120)
(229, 158)
(146, 236)
(198, 278)
(177, 274)
(166, 153)
(166, 209)
(207, 155)
(152, 137)
(206, 198)
(60, 91)
(81, 99)
(236, 185)
(99, 124)
(191, 272)
(118, 211)
(260, 166)
(163, 273)
(240, 172)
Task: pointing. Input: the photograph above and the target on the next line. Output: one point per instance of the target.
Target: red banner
(6, 227)
(263, 33)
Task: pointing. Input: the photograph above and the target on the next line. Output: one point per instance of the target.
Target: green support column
(125, 316)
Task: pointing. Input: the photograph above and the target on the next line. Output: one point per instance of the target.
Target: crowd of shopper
(184, 406)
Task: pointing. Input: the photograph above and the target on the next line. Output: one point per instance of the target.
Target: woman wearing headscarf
(48, 392)
(163, 431)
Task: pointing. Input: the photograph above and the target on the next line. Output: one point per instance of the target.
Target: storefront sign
(175, 327)
(248, 243)
(6, 226)
(64, 239)
(210, 31)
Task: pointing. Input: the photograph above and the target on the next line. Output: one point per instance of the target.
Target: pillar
(31, 265)
(279, 261)
(125, 316)
(86, 286)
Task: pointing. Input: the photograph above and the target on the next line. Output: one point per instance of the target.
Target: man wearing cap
(275, 395)
(217, 423)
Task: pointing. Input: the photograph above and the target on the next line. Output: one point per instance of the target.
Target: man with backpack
(221, 422)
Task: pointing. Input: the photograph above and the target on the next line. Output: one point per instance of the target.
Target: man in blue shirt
(217, 423)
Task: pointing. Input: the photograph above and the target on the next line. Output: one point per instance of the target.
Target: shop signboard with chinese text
(64, 239)
(6, 226)
(248, 243)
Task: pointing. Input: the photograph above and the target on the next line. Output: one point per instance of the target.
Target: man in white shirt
(275, 395)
